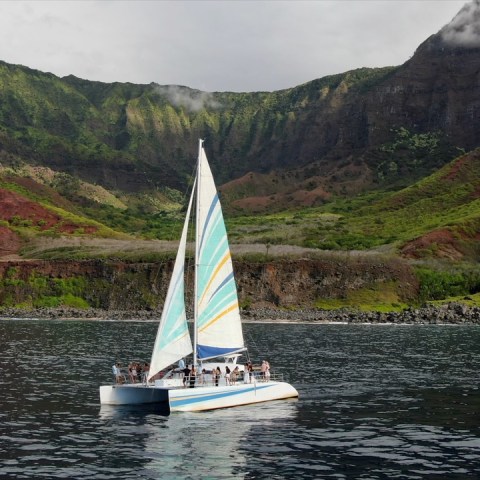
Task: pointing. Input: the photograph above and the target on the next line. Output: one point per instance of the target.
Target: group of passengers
(136, 372)
(248, 375)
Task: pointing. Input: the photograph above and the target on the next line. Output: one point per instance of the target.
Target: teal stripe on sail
(207, 221)
(215, 247)
(216, 307)
(207, 271)
(225, 295)
(230, 279)
(174, 327)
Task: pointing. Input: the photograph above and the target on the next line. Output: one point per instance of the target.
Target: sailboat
(217, 329)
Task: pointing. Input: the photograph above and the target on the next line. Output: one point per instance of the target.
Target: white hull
(199, 398)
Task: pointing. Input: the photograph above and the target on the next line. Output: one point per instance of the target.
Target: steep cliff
(142, 286)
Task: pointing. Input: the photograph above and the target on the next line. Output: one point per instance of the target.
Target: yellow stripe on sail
(220, 315)
(215, 273)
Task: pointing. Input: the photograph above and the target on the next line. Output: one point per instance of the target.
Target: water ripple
(376, 402)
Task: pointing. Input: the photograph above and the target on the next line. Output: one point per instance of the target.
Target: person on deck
(267, 371)
(186, 376)
(218, 373)
(251, 372)
(263, 369)
(246, 374)
(193, 374)
(117, 372)
(234, 375)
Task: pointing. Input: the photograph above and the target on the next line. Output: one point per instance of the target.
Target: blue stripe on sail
(214, 308)
(210, 211)
(214, 252)
(216, 305)
(230, 277)
(205, 351)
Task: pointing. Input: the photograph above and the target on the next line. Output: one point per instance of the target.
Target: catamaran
(217, 329)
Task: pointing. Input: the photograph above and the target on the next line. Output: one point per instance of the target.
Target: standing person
(186, 376)
(267, 371)
(218, 373)
(193, 375)
(145, 370)
(117, 372)
(263, 369)
(133, 372)
(251, 372)
(246, 374)
(234, 375)
(227, 375)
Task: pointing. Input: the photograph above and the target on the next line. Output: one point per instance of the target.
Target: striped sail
(173, 338)
(219, 329)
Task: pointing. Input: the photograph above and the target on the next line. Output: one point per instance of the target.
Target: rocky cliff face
(142, 286)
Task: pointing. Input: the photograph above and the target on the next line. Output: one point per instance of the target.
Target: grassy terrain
(445, 204)
(448, 199)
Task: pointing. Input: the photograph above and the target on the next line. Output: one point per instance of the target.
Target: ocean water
(376, 402)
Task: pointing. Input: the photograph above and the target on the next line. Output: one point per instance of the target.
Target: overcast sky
(216, 45)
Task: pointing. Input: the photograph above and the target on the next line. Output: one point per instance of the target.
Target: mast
(195, 302)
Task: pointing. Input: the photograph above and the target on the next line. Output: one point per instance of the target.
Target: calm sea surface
(376, 402)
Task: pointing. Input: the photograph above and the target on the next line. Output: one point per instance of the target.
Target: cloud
(464, 29)
(192, 100)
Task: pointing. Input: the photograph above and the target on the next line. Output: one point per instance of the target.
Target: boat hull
(132, 395)
(210, 398)
(198, 398)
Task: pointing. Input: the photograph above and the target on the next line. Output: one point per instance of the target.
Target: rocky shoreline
(451, 313)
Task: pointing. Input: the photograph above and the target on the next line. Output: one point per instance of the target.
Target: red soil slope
(18, 210)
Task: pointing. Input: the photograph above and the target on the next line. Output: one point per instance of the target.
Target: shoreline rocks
(451, 313)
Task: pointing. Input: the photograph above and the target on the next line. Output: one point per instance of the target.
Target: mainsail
(219, 329)
(173, 339)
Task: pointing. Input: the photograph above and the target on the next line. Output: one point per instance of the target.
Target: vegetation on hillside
(111, 161)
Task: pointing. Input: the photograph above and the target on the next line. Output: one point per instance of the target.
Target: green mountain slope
(438, 216)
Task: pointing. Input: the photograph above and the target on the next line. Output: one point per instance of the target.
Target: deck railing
(207, 379)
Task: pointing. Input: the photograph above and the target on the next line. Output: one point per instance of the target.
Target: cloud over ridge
(464, 29)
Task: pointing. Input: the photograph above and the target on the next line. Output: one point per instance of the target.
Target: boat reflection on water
(215, 442)
(119, 412)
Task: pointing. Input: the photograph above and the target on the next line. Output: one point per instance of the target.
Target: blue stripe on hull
(228, 396)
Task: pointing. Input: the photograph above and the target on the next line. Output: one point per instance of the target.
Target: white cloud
(192, 100)
(464, 30)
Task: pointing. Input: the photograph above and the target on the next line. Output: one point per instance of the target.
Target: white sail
(173, 340)
(219, 329)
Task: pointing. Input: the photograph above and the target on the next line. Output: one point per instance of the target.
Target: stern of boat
(132, 395)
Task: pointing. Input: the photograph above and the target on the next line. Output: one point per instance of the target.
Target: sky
(239, 46)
